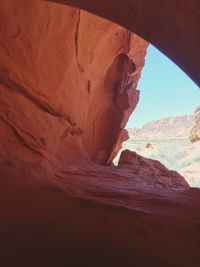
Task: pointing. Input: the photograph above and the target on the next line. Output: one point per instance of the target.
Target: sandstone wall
(172, 26)
(60, 70)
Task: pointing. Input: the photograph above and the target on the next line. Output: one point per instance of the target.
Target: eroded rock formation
(61, 74)
(153, 169)
(195, 132)
(92, 215)
(163, 24)
(68, 86)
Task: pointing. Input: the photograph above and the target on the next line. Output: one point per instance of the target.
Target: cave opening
(62, 203)
(164, 125)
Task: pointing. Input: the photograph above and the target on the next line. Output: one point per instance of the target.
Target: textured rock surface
(60, 73)
(95, 216)
(195, 133)
(180, 44)
(60, 101)
(156, 171)
(118, 145)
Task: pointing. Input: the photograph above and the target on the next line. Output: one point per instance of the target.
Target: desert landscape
(172, 141)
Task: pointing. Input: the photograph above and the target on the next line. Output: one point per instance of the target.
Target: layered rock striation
(93, 215)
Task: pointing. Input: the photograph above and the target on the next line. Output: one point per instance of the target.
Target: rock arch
(86, 215)
(172, 26)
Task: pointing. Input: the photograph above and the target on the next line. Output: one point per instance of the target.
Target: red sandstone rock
(61, 100)
(154, 169)
(92, 215)
(60, 71)
(154, 21)
(123, 136)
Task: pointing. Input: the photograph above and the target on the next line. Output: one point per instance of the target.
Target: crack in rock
(43, 105)
(76, 35)
(20, 137)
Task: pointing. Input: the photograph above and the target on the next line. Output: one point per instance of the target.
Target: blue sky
(165, 90)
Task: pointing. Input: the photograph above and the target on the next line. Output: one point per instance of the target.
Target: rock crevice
(43, 105)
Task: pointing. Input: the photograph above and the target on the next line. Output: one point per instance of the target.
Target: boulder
(153, 169)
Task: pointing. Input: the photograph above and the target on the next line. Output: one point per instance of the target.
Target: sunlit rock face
(195, 133)
(61, 74)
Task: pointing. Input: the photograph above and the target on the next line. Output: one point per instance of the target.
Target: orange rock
(62, 107)
(149, 146)
(154, 169)
(90, 213)
(123, 136)
(60, 69)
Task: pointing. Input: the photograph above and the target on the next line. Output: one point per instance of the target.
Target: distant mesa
(173, 127)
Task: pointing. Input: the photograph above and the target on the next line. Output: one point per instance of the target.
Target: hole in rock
(165, 125)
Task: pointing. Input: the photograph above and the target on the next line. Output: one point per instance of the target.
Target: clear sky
(165, 90)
